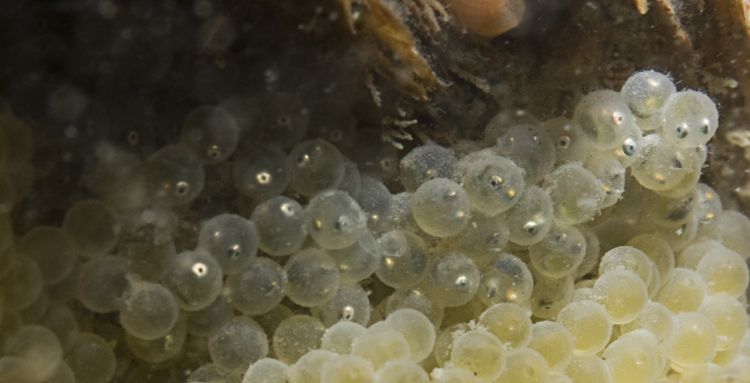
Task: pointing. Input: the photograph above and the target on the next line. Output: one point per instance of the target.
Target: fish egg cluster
(572, 250)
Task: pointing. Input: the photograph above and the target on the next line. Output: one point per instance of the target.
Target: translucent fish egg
(550, 295)
(359, 260)
(570, 145)
(315, 165)
(630, 148)
(425, 163)
(647, 91)
(509, 322)
(309, 367)
(414, 299)
(553, 341)
(102, 283)
(280, 225)
(417, 329)
(479, 352)
(91, 359)
(161, 349)
(588, 369)
(295, 336)
(53, 251)
(506, 279)
(404, 261)
(655, 318)
(622, 293)
(576, 194)
(37, 350)
(729, 319)
(375, 200)
(261, 173)
(267, 370)
(237, 344)
(589, 323)
(694, 342)
(724, 271)
(709, 205)
(93, 226)
(347, 369)
(22, 285)
(148, 310)
(682, 290)
(312, 277)
(731, 229)
(350, 303)
(380, 344)
(560, 252)
(351, 183)
(174, 176)
(634, 357)
(452, 280)
(531, 218)
(195, 278)
(401, 371)
(338, 338)
(627, 258)
(662, 166)
(441, 207)
(689, 119)
(231, 239)
(657, 249)
(531, 148)
(335, 220)
(484, 238)
(611, 174)
(286, 117)
(256, 289)
(494, 184)
(525, 365)
(211, 132)
(601, 116)
(204, 322)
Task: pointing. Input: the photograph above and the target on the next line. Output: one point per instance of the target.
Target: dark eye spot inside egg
(181, 188)
(628, 147)
(681, 131)
(563, 142)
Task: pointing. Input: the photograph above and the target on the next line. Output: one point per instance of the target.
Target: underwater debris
(389, 46)
(489, 18)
